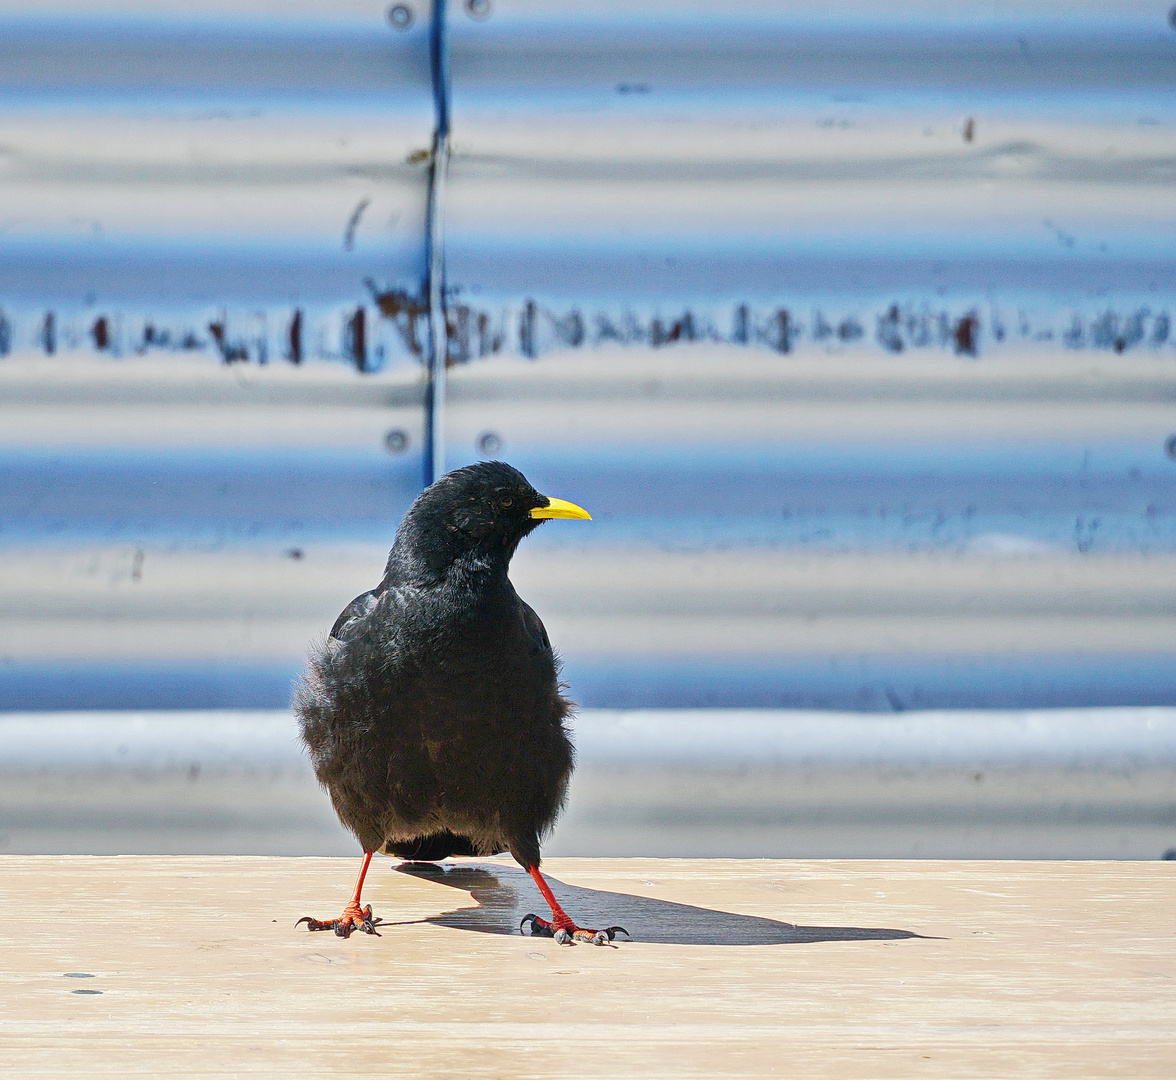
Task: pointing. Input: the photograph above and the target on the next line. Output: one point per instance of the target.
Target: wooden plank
(739, 968)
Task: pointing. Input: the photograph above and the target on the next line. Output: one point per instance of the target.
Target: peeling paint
(355, 339)
(49, 333)
(294, 338)
(231, 351)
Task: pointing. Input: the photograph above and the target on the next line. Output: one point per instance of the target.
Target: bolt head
(400, 16)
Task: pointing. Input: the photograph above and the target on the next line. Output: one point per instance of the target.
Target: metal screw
(1170, 446)
(396, 441)
(478, 9)
(488, 443)
(400, 16)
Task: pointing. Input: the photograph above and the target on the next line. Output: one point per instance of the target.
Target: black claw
(343, 929)
(539, 927)
(369, 923)
(542, 928)
(313, 924)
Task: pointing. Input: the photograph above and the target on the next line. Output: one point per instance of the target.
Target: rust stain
(490, 341)
(967, 332)
(356, 339)
(532, 328)
(667, 333)
(405, 310)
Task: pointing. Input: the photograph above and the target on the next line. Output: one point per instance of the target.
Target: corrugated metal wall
(850, 324)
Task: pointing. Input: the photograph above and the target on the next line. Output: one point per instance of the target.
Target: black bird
(432, 712)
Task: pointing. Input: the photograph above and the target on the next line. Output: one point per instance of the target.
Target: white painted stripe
(1099, 740)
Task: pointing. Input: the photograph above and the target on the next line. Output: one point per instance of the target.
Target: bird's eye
(504, 503)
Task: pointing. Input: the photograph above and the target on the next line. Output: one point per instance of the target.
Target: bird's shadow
(504, 895)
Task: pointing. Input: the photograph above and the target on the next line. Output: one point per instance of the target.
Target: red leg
(561, 926)
(354, 917)
(559, 917)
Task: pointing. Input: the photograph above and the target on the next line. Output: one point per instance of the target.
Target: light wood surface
(738, 968)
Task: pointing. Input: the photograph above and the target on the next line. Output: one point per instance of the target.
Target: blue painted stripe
(875, 684)
(1118, 497)
(856, 684)
(145, 685)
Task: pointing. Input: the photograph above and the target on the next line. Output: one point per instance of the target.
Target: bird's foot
(353, 918)
(567, 932)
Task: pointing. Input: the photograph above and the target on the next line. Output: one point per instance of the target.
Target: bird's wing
(535, 628)
(354, 614)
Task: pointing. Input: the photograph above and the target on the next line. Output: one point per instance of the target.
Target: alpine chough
(433, 712)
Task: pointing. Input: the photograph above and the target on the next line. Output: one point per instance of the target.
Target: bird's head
(485, 508)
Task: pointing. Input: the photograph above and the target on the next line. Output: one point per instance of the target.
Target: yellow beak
(558, 508)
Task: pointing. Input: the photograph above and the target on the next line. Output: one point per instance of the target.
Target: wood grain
(738, 968)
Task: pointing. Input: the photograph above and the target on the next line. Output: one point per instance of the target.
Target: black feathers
(432, 712)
